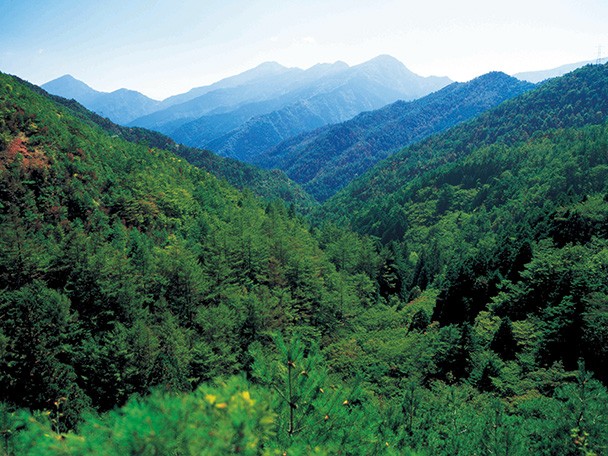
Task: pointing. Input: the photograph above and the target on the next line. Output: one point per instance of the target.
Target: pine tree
(311, 409)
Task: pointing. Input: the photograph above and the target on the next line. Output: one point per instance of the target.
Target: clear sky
(165, 47)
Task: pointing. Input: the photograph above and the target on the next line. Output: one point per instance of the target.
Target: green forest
(453, 300)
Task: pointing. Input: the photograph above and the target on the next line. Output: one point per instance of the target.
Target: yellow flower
(247, 397)
(210, 398)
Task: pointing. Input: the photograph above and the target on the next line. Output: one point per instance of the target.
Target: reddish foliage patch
(32, 159)
(17, 146)
(35, 160)
(55, 211)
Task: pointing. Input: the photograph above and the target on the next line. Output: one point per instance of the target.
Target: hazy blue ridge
(326, 159)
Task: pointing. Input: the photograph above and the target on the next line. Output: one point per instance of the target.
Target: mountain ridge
(549, 106)
(121, 105)
(335, 97)
(268, 185)
(326, 159)
(263, 89)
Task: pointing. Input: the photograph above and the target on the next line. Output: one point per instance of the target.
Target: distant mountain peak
(383, 60)
(336, 64)
(270, 65)
(68, 86)
(66, 79)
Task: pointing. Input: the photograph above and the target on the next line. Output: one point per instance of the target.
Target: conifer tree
(311, 408)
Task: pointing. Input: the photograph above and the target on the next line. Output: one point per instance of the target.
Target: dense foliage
(575, 100)
(269, 185)
(149, 308)
(327, 159)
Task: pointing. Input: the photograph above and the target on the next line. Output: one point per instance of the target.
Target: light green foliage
(226, 419)
(314, 410)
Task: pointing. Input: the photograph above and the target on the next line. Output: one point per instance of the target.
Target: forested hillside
(269, 185)
(504, 220)
(327, 159)
(123, 267)
(577, 99)
(150, 308)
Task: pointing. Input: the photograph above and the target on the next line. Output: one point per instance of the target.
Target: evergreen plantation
(453, 300)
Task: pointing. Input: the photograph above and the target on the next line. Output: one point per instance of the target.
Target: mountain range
(326, 159)
(120, 106)
(247, 113)
(451, 300)
(334, 95)
(576, 99)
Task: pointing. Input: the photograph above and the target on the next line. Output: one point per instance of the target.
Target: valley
(419, 266)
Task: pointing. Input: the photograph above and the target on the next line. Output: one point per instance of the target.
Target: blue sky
(164, 47)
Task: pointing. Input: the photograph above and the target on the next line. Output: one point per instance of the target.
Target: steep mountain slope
(577, 99)
(115, 257)
(120, 106)
(264, 112)
(326, 159)
(269, 185)
(507, 217)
